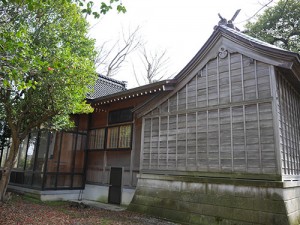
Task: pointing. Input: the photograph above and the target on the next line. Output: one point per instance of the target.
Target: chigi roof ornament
(229, 23)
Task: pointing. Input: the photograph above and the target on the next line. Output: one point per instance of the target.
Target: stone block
(294, 218)
(195, 187)
(247, 191)
(220, 203)
(196, 219)
(251, 216)
(266, 218)
(210, 210)
(267, 205)
(190, 207)
(272, 193)
(226, 213)
(226, 201)
(182, 217)
(226, 189)
(292, 205)
(289, 193)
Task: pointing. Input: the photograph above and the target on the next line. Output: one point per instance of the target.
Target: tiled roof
(106, 86)
(251, 39)
(285, 58)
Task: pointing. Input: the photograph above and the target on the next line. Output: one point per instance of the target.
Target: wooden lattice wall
(289, 127)
(220, 121)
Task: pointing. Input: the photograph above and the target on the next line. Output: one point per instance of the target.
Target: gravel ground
(21, 210)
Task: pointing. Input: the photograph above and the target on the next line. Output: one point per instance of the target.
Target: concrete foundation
(91, 192)
(218, 201)
(49, 195)
(100, 194)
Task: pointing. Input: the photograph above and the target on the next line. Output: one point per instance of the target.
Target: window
(22, 153)
(120, 116)
(125, 136)
(119, 137)
(31, 151)
(112, 137)
(97, 138)
(42, 150)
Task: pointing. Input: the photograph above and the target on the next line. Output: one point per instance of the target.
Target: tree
(279, 25)
(154, 66)
(110, 59)
(46, 65)
(86, 7)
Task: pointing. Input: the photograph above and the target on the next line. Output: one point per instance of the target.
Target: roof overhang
(251, 47)
(161, 86)
(234, 41)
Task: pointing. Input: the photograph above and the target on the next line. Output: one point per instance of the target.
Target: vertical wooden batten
(176, 147)
(150, 152)
(142, 155)
(158, 144)
(132, 153)
(276, 120)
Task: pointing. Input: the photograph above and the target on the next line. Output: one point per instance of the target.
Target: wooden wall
(289, 127)
(99, 161)
(220, 121)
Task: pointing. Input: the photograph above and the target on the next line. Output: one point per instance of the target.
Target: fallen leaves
(22, 210)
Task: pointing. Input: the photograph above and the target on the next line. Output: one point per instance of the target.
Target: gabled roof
(227, 39)
(106, 86)
(244, 43)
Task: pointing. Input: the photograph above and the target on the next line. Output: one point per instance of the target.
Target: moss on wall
(213, 204)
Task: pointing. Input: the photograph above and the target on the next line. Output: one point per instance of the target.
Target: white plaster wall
(91, 192)
(100, 194)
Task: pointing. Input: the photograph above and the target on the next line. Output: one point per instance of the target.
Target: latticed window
(97, 138)
(117, 135)
(125, 136)
(120, 116)
(112, 137)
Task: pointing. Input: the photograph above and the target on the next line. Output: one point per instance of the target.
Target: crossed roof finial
(229, 23)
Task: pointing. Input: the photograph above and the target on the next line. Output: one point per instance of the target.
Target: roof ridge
(250, 38)
(123, 83)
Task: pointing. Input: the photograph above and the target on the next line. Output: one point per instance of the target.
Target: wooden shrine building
(97, 160)
(224, 146)
(218, 144)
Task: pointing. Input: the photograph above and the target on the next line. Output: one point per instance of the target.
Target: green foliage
(46, 63)
(104, 7)
(86, 6)
(279, 25)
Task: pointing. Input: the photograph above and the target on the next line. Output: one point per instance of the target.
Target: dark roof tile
(106, 86)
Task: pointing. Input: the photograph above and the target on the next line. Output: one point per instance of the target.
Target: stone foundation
(218, 201)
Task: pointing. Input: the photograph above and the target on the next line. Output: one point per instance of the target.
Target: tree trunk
(13, 152)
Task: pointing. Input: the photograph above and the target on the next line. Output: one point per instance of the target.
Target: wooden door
(115, 186)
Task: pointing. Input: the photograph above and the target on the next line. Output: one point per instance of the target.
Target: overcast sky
(180, 27)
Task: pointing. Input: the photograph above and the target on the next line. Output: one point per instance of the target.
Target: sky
(179, 27)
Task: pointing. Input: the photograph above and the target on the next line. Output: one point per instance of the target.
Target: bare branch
(261, 8)
(112, 59)
(154, 66)
(135, 75)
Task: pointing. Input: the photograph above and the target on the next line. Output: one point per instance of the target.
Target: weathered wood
(221, 120)
(289, 126)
